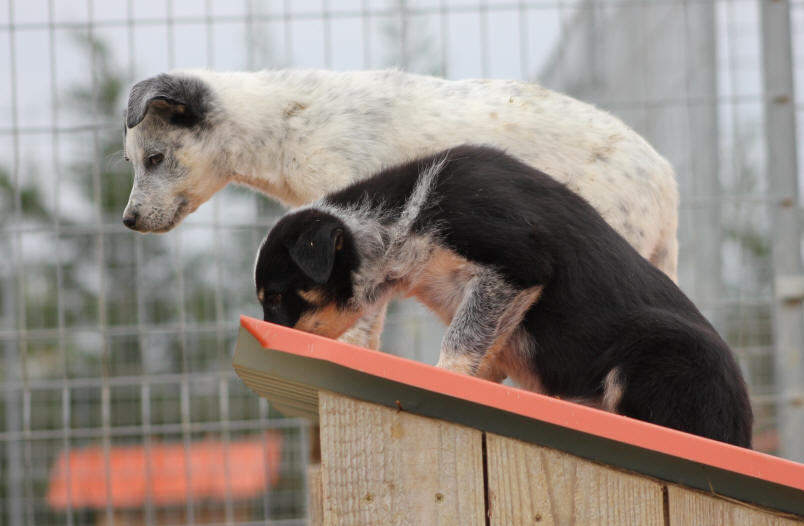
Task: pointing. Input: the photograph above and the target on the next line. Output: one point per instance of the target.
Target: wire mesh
(113, 340)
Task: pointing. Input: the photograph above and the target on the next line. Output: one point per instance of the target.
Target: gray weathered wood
(315, 497)
(389, 467)
(530, 484)
(693, 507)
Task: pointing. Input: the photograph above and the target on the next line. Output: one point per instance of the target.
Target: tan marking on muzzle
(327, 320)
(312, 296)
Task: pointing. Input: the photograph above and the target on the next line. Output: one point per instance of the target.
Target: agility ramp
(406, 443)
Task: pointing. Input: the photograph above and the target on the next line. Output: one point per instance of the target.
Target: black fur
(185, 100)
(315, 249)
(294, 265)
(602, 305)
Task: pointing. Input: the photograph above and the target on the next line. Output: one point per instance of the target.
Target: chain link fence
(119, 405)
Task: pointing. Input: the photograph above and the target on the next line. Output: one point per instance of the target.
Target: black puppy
(531, 281)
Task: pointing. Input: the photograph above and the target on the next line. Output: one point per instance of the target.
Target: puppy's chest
(441, 282)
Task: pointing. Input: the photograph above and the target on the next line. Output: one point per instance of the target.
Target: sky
(300, 43)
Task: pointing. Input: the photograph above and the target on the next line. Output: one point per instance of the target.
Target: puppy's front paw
(360, 338)
(456, 363)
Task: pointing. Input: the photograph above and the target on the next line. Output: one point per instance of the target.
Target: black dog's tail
(680, 374)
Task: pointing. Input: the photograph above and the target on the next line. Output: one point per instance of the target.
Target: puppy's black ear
(315, 249)
(179, 99)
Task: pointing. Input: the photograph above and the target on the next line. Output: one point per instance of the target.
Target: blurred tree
(165, 276)
(32, 203)
(101, 301)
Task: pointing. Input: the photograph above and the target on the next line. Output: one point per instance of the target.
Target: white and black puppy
(532, 282)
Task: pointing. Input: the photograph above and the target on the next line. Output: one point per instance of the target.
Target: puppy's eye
(273, 300)
(155, 159)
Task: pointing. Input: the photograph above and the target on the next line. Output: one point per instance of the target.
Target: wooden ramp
(406, 443)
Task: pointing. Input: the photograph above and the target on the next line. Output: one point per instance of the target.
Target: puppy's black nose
(130, 219)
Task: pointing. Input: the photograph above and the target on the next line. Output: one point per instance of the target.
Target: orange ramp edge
(531, 405)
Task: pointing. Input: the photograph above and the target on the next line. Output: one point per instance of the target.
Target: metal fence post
(13, 402)
(780, 136)
(701, 82)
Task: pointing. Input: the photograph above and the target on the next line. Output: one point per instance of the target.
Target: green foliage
(102, 97)
(31, 203)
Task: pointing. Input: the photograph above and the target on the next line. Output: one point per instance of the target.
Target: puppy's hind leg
(680, 375)
(489, 313)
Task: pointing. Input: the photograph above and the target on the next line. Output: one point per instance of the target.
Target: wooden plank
(693, 507)
(290, 398)
(315, 503)
(531, 484)
(389, 467)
